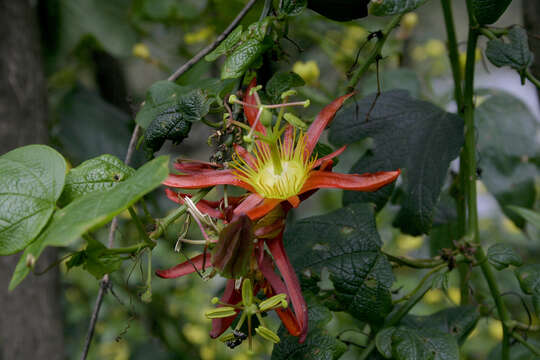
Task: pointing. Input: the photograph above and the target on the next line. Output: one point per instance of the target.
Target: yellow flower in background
(419, 53)
(510, 226)
(409, 21)
(463, 59)
(495, 329)
(357, 33)
(433, 296)
(407, 242)
(141, 51)
(114, 350)
(208, 353)
(454, 294)
(435, 48)
(196, 334)
(309, 71)
(199, 36)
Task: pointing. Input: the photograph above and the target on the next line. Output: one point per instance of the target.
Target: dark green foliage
(502, 255)
(281, 82)
(506, 148)
(515, 53)
(489, 11)
(347, 244)
(391, 7)
(319, 345)
(415, 136)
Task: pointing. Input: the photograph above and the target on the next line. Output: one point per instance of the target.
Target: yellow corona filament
(264, 178)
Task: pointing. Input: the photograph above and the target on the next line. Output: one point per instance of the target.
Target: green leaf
(515, 53)
(226, 46)
(407, 134)
(347, 244)
(174, 123)
(391, 7)
(529, 278)
(531, 216)
(340, 10)
(505, 148)
(414, 344)
(106, 21)
(489, 11)
(318, 345)
(89, 126)
(281, 82)
(502, 255)
(242, 57)
(92, 211)
(457, 321)
(161, 95)
(293, 7)
(98, 261)
(98, 174)
(402, 78)
(517, 352)
(31, 181)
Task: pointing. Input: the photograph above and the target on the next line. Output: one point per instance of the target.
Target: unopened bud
(267, 334)
(266, 117)
(214, 300)
(220, 312)
(409, 21)
(273, 302)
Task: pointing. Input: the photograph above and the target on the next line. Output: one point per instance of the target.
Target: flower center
(271, 180)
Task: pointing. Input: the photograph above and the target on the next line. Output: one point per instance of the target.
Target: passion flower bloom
(278, 173)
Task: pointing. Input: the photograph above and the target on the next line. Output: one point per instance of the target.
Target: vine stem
(414, 263)
(461, 207)
(472, 233)
(375, 53)
(104, 285)
(527, 344)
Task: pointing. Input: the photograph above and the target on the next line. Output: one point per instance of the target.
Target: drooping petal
(329, 156)
(251, 112)
(244, 154)
(230, 296)
(203, 206)
(205, 179)
(323, 119)
(187, 267)
(288, 139)
(189, 166)
(363, 182)
(264, 208)
(267, 269)
(249, 203)
(291, 282)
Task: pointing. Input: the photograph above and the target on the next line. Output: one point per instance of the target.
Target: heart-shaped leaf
(31, 181)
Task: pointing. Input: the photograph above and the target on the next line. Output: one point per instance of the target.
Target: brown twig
(131, 148)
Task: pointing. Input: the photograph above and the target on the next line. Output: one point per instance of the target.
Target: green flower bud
(214, 300)
(267, 334)
(220, 312)
(266, 117)
(273, 302)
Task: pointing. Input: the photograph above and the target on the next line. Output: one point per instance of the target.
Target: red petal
(323, 119)
(244, 154)
(286, 316)
(249, 203)
(187, 267)
(194, 166)
(203, 206)
(267, 269)
(291, 281)
(363, 182)
(251, 112)
(330, 156)
(230, 296)
(204, 179)
(294, 201)
(263, 209)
